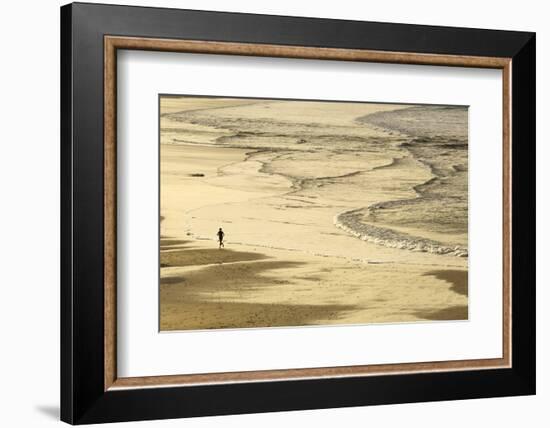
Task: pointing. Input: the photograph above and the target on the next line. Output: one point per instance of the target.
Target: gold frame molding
(113, 43)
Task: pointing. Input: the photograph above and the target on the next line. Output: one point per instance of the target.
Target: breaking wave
(352, 223)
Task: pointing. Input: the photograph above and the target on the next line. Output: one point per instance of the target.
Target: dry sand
(285, 262)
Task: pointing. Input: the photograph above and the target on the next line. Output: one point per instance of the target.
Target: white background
(142, 351)
(29, 218)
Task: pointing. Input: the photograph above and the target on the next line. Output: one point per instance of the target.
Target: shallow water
(438, 139)
(395, 176)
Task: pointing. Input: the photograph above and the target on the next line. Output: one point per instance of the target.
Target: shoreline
(207, 288)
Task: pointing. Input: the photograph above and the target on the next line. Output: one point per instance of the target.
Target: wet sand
(286, 263)
(211, 288)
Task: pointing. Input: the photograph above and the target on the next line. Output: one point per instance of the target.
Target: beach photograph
(293, 213)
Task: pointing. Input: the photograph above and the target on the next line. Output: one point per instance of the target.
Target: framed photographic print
(265, 213)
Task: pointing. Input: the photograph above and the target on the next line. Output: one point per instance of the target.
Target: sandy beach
(328, 215)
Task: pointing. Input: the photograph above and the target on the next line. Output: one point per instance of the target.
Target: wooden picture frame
(91, 390)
